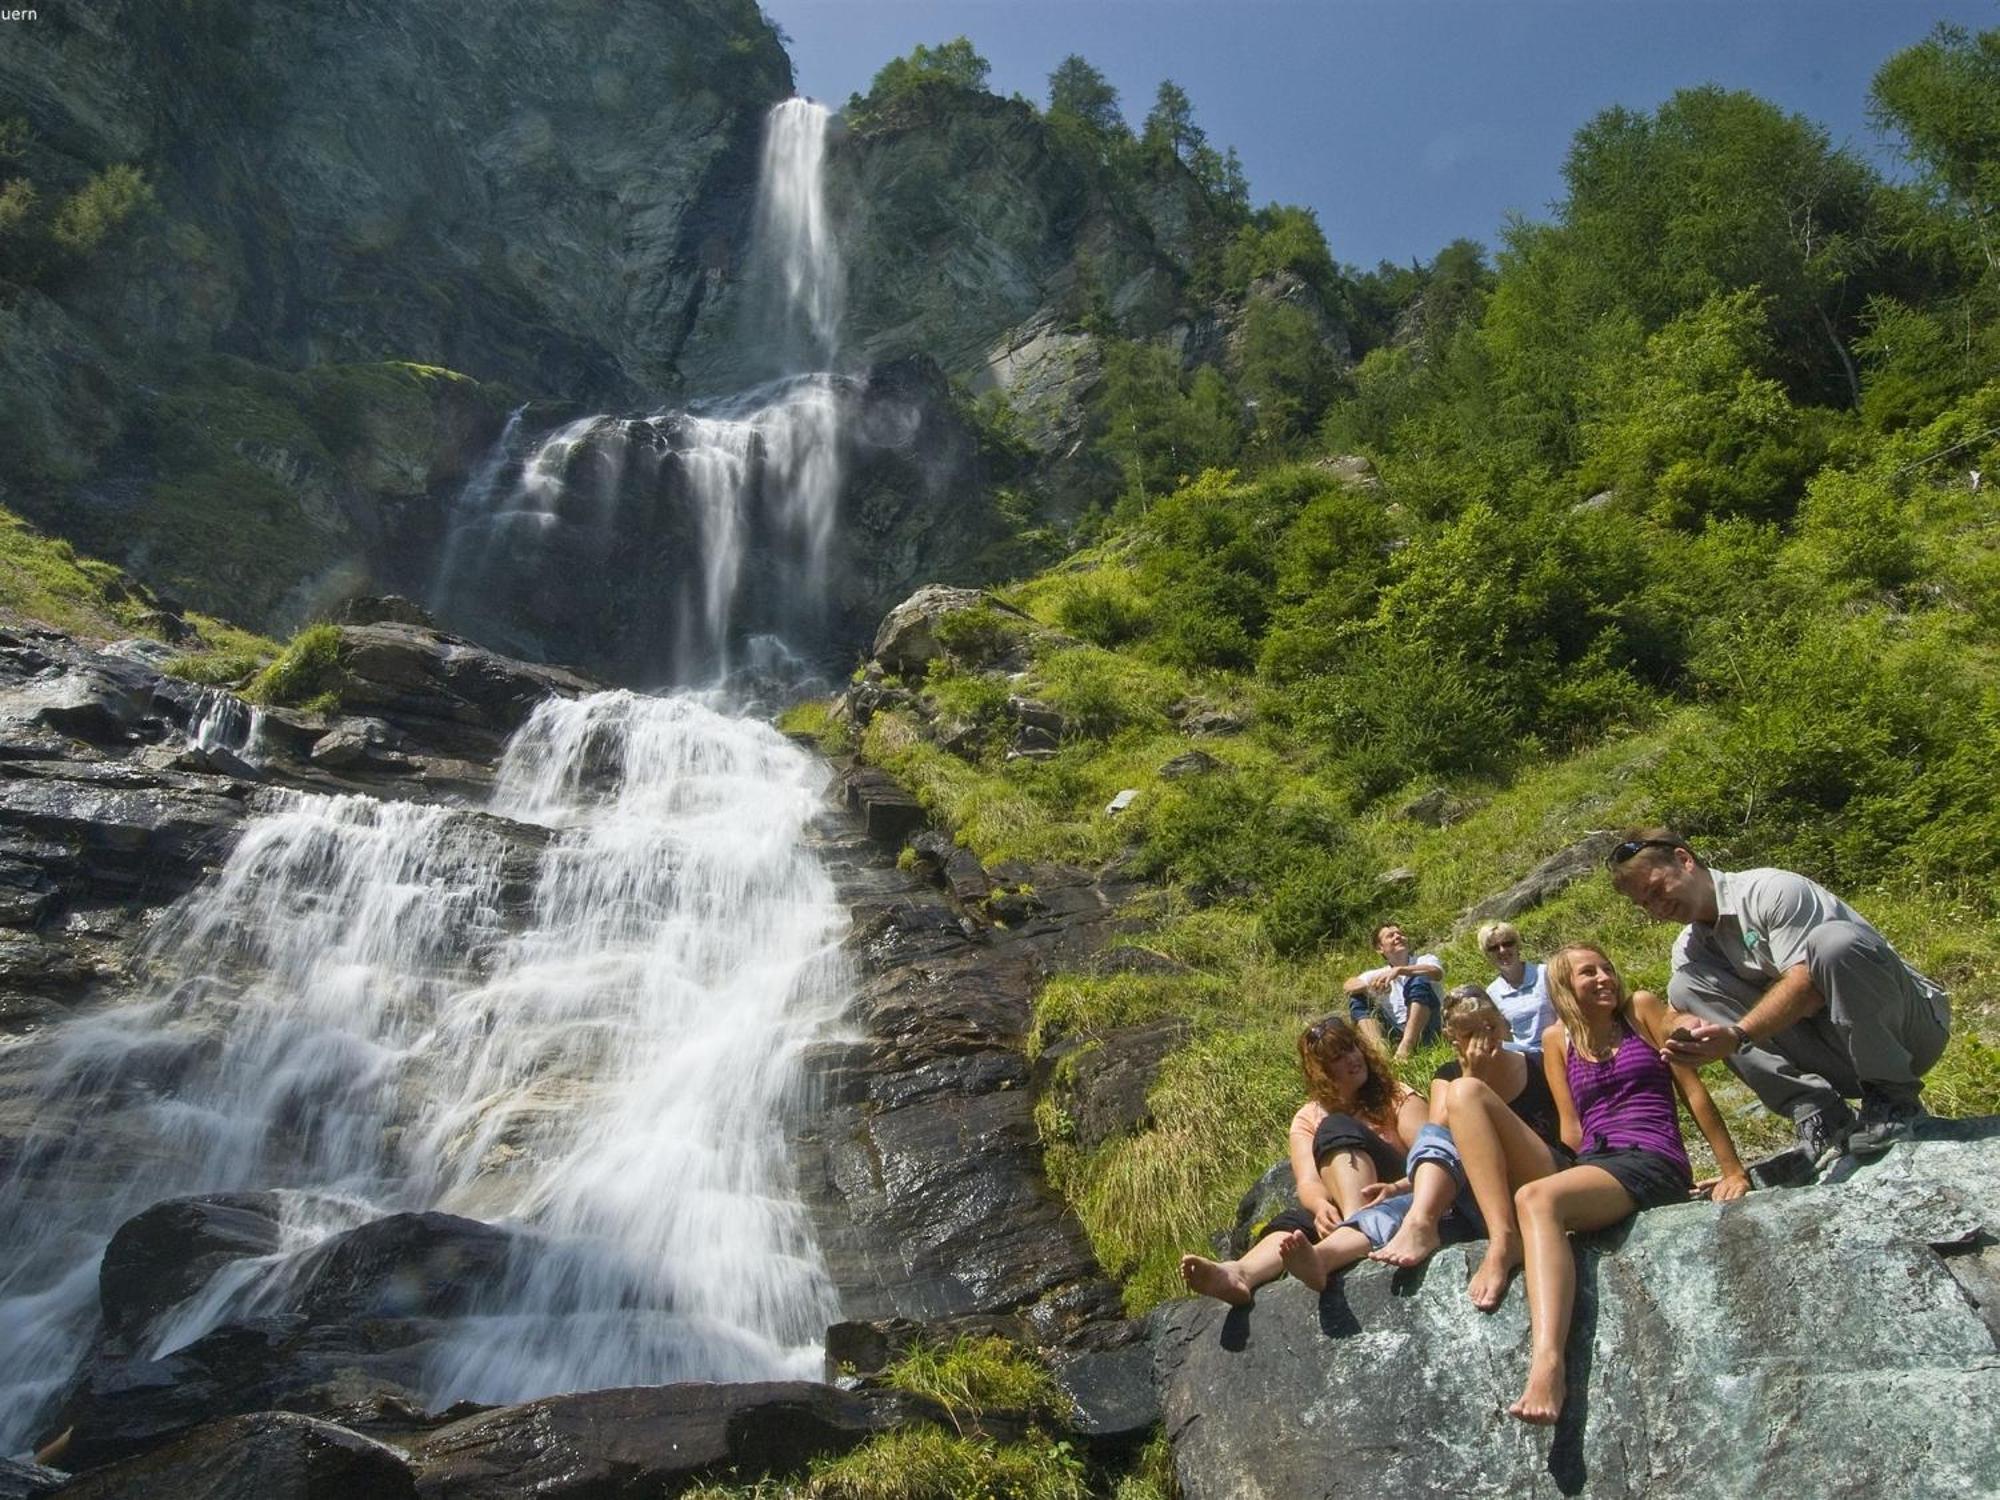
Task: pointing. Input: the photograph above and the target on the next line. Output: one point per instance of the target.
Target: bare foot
(1221, 1280)
(1488, 1288)
(1412, 1245)
(1297, 1252)
(1542, 1397)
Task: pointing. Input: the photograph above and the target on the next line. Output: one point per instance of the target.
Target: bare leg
(1234, 1281)
(1580, 1198)
(1315, 1264)
(1372, 1029)
(1499, 1154)
(1418, 1238)
(1345, 1174)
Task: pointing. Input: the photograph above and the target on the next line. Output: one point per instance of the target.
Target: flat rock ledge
(1813, 1343)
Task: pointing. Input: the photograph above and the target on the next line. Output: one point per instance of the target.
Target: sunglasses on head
(1630, 847)
(1319, 1030)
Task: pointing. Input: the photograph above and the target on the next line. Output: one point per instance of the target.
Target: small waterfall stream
(582, 1013)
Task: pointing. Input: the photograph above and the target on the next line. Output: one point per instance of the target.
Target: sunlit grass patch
(974, 1374)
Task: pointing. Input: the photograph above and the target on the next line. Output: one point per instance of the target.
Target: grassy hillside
(1818, 715)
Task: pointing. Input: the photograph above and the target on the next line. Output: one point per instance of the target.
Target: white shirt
(1528, 1009)
(1393, 1003)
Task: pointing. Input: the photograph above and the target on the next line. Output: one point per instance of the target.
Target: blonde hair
(1488, 931)
(1325, 1043)
(1561, 970)
(1469, 1006)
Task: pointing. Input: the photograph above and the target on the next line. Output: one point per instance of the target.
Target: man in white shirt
(1403, 990)
(1520, 989)
(1794, 989)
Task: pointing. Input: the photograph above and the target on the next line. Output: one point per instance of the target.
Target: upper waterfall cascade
(758, 470)
(349, 1014)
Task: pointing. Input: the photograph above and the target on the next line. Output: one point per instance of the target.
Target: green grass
(973, 1374)
(306, 674)
(924, 1463)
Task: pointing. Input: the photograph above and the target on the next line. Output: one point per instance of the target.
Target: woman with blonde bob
(1349, 1143)
(1615, 1098)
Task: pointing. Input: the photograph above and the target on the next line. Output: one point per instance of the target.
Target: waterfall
(545, 523)
(350, 1013)
(794, 250)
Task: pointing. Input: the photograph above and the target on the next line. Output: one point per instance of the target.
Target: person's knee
(1534, 1200)
(1835, 945)
(1469, 1093)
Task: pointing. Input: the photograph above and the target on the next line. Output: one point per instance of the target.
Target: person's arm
(1784, 1004)
(1657, 1020)
(1555, 1059)
(1356, 983)
(1313, 1197)
(1426, 966)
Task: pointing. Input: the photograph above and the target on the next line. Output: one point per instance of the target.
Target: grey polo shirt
(1762, 918)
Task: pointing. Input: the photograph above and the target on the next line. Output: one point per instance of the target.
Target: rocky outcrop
(264, 1456)
(1801, 1343)
(653, 1441)
(1543, 883)
(355, 1325)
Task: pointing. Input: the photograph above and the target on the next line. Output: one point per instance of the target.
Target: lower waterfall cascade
(358, 1013)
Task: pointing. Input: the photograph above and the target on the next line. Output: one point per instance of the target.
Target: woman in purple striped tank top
(1616, 1098)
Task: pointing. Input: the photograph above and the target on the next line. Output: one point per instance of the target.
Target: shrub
(1102, 614)
(103, 203)
(925, 1464)
(979, 635)
(307, 673)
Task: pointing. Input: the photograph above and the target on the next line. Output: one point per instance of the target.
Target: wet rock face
(1797, 1344)
(652, 1441)
(357, 1324)
(923, 1171)
(263, 1456)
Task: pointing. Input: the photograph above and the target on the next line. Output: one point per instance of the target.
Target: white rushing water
(794, 246)
(759, 471)
(349, 1012)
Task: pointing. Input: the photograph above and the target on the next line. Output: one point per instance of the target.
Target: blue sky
(1403, 123)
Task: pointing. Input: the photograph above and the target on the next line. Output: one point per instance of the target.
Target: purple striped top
(1626, 1102)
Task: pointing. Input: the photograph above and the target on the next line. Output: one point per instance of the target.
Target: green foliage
(1080, 94)
(814, 719)
(926, 1464)
(1158, 426)
(1287, 372)
(222, 668)
(949, 67)
(979, 635)
(978, 1373)
(307, 672)
(1688, 428)
(1942, 96)
(1280, 238)
(89, 215)
(1102, 613)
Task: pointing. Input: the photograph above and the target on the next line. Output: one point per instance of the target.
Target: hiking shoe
(1886, 1118)
(1823, 1134)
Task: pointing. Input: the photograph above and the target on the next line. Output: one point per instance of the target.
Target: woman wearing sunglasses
(1520, 989)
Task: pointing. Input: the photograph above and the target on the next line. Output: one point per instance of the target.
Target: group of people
(1557, 1112)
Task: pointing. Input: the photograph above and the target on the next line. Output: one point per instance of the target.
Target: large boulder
(168, 1253)
(908, 640)
(445, 693)
(358, 1321)
(1810, 1343)
(1546, 881)
(268, 1455)
(652, 1441)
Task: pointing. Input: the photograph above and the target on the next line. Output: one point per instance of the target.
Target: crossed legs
(1343, 1174)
